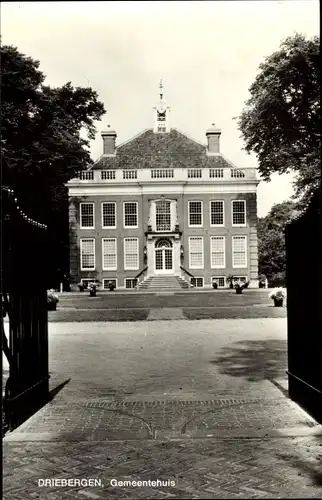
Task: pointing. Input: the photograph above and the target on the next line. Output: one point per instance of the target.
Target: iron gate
(304, 309)
(23, 283)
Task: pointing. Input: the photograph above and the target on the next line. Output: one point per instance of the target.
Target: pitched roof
(169, 150)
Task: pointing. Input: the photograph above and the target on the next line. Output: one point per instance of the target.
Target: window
(109, 254)
(216, 213)
(239, 251)
(87, 249)
(131, 253)
(221, 281)
(195, 213)
(107, 175)
(217, 245)
(131, 214)
(240, 278)
(130, 282)
(239, 212)
(109, 215)
(86, 281)
(106, 281)
(163, 215)
(196, 282)
(196, 252)
(87, 215)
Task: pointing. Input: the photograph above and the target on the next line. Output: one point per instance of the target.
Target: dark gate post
(24, 286)
(304, 309)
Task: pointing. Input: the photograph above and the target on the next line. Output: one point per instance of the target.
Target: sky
(206, 52)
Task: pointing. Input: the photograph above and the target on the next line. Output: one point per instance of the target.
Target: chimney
(109, 138)
(213, 138)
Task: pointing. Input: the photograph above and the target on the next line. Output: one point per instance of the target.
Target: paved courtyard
(200, 403)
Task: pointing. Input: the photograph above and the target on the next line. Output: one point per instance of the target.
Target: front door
(163, 256)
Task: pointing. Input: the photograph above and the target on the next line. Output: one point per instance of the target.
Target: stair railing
(141, 273)
(189, 274)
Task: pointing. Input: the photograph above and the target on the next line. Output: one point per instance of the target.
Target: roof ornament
(161, 89)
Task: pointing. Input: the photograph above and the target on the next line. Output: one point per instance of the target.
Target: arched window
(163, 243)
(163, 215)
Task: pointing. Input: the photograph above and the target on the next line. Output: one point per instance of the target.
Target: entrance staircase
(164, 283)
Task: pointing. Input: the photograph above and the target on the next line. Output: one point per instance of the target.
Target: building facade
(162, 204)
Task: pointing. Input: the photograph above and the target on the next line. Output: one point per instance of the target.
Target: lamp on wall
(181, 251)
(145, 254)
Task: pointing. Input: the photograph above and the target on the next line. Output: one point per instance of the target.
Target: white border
(232, 218)
(195, 225)
(109, 268)
(81, 255)
(198, 277)
(133, 287)
(203, 252)
(137, 215)
(223, 213)
(217, 278)
(80, 214)
(102, 217)
(108, 279)
(224, 239)
(138, 253)
(232, 251)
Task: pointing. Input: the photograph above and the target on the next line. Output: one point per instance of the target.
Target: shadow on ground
(254, 360)
(310, 468)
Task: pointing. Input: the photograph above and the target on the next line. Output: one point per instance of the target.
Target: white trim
(195, 225)
(126, 268)
(80, 214)
(232, 213)
(137, 215)
(81, 255)
(109, 279)
(223, 213)
(217, 278)
(232, 251)
(198, 278)
(155, 188)
(131, 288)
(223, 238)
(203, 251)
(109, 268)
(102, 217)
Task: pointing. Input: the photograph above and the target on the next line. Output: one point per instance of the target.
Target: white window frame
(107, 280)
(232, 213)
(240, 278)
(223, 213)
(81, 255)
(80, 214)
(198, 278)
(246, 252)
(195, 225)
(137, 215)
(217, 278)
(102, 214)
(203, 252)
(223, 238)
(132, 287)
(114, 268)
(126, 268)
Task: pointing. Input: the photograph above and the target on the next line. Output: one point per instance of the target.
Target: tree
(45, 134)
(271, 240)
(281, 121)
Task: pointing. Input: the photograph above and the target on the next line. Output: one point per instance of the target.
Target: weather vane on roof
(161, 89)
